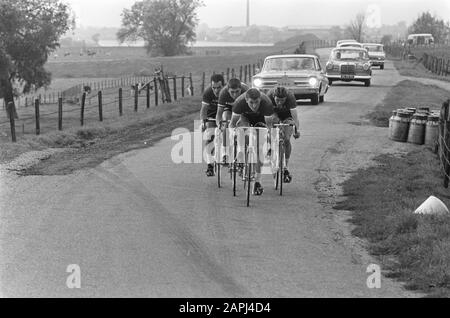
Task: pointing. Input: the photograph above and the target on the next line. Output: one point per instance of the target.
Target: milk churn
(400, 126)
(391, 119)
(416, 134)
(432, 130)
(423, 109)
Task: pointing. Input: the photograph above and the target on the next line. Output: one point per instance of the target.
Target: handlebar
(286, 125)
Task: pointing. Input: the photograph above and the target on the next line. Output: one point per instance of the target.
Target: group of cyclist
(241, 106)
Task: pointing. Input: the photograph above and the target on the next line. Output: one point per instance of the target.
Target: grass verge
(96, 142)
(416, 69)
(407, 94)
(413, 248)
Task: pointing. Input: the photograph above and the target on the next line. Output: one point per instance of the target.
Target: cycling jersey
(241, 107)
(283, 112)
(225, 99)
(211, 101)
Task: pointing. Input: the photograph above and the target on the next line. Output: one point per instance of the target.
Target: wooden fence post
(203, 83)
(191, 84)
(182, 86)
(10, 110)
(100, 106)
(136, 98)
(167, 90)
(228, 74)
(156, 91)
(120, 102)
(83, 101)
(148, 95)
(240, 73)
(245, 73)
(60, 113)
(37, 116)
(175, 87)
(446, 142)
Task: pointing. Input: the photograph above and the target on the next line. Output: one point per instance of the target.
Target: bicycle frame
(282, 155)
(251, 157)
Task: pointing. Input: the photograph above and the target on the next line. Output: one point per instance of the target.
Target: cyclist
(227, 96)
(285, 112)
(250, 109)
(209, 110)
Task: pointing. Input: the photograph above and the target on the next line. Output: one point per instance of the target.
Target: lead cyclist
(285, 112)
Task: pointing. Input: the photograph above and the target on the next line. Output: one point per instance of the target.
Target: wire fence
(437, 62)
(108, 99)
(442, 147)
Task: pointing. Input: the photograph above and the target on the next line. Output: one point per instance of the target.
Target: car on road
(338, 43)
(349, 64)
(376, 54)
(351, 44)
(302, 74)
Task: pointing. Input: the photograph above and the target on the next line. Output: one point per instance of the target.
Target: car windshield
(374, 48)
(349, 55)
(289, 64)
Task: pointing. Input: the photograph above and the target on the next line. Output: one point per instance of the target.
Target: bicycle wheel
(281, 172)
(248, 182)
(234, 167)
(218, 174)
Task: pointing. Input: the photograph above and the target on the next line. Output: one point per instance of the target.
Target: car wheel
(321, 99)
(367, 83)
(315, 99)
(382, 67)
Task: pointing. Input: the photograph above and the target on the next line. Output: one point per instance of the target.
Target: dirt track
(139, 225)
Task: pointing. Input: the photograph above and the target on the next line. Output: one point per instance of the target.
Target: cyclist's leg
(288, 148)
(258, 189)
(226, 142)
(288, 131)
(209, 145)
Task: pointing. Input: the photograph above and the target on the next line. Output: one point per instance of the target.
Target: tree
(356, 27)
(386, 39)
(167, 26)
(29, 32)
(426, 23)
(96, 38)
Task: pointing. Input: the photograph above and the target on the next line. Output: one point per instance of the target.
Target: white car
(376, 54)
(301, 74)
(350, 44)
(344, 41)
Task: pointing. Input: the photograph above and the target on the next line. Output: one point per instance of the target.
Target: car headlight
(366, 66)
(329, 66)
(313, 81)
(257, 82)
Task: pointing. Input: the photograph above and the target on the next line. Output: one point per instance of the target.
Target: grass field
(413, 248)
(407, 94)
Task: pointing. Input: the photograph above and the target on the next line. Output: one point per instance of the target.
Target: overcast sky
(218, 13)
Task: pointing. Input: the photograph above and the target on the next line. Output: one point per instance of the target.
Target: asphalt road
(140, 225)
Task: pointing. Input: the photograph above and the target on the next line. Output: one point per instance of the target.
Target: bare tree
(356, 27)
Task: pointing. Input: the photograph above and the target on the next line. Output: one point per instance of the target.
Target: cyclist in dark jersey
(285, 112)
(227, 96)
(250, 109)
(209, 111)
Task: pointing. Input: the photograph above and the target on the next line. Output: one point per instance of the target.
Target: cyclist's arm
(234, 120)
(219, 114)
(269, 121)
(204, 111)
(295, 118)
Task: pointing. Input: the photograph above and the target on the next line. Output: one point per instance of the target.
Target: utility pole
(248, 13)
